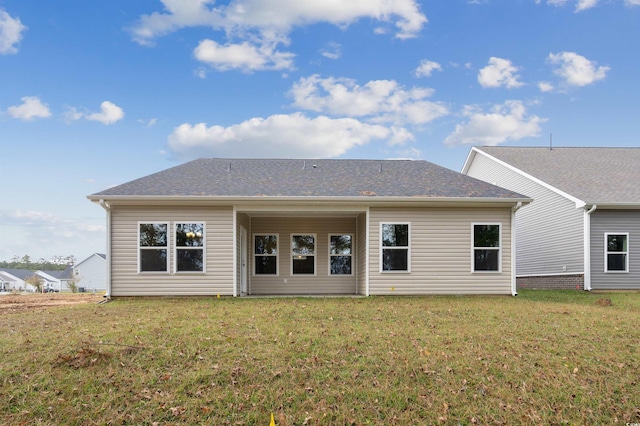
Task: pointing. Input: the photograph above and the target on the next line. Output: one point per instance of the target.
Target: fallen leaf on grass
(177, 411)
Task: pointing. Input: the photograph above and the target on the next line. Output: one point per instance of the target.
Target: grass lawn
(544, 357)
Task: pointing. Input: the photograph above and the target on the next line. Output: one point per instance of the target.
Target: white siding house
(309, 227)
(91, 273)
(580, 195)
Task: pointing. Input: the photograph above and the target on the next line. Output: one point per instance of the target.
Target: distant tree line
(56, 263)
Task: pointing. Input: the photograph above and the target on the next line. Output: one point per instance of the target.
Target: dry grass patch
(540, 358)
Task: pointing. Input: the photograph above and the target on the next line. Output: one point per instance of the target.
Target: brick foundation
(552, 282)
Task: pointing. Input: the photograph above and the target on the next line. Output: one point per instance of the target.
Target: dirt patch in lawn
(13, 303)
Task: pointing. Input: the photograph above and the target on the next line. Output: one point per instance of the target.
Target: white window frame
(340, 255)
(254, 255)
(474, 248)
(167, 247)
(606, 252)
(315, 253)
(203, 247)
(407, 248)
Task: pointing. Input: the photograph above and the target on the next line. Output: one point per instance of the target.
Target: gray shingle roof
(23, 274)
(593, 175)
(210, 177)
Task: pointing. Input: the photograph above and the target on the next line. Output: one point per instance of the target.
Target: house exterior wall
(615, 221)
(286, 283)
(92, 274)
(219, 233)
(549, 231)
(441, 252)
(361, 255)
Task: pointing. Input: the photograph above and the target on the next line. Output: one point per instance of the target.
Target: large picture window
(395, 247)
(153, 246)
(265, 249)
(340, 254)
(189, 247)
(616, 255)
(486, 247)
(303, 250)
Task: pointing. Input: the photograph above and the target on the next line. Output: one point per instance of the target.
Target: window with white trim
(486, 247)
(153, 247)
(340, 254)
(303, 254)
(190, 245)
(265, 254)
(394, 247)
(616, 252)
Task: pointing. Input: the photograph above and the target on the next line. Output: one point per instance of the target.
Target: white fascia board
(88, 258)
(9, 276)
(47, 276)
(469, 160)
(353, 203)
(579, 203)
(616, 206)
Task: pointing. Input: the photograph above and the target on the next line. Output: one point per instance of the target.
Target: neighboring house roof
(22, 274)
(281, 178)
(65, 274)
(602, 176)
(25, 274)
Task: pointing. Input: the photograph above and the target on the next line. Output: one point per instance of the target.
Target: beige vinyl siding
(127, 281)
(361, 254)
(615, 221)
(441, 253)
(550, 231)
(322, 282)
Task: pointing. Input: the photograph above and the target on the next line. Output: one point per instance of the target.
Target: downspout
(367, 249)
(587, 246)
(517, 207)
(107, 208)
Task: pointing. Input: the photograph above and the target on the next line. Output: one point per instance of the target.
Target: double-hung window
(340, 254)
(303, 254)
(189, 247)
(486, 247)
(395, 249)
(153, 247)
(616, 252)
(265, 253)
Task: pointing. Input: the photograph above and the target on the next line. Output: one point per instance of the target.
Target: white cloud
(290, 136)
(576, 70)
(30, 108)
(545, 86)
(631, 3)
(585, 4)
(254, 28)
(331, 51)
(499, 72)
(242, 56)
(276, 15)
(426, 68)
(378, 100)
(72, 114)
(31, 232)
(581, 5)
(109, 113)
(506, 122)
(148, 123)
(11, 30)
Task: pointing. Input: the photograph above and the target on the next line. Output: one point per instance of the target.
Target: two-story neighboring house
(91, 273)
(583, 227)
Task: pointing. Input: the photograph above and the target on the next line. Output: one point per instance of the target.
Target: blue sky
(98, 93)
